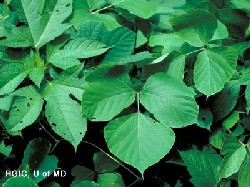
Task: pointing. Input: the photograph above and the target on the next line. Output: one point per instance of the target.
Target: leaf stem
(138, 178)
(197, 50)
(106, 7)
(138, 101)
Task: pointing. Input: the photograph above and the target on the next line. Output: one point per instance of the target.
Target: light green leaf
(234, 155)
(12, 74)
(196, 27)
(122, 41)
(170, 42)
(247, 96)
(103, 93)
(242, 4)
(211, 76)
(87, 4)
(221, 31)
(6, 102)
(5, 150)
(45, 25)
(64, 113)
(170, 100)
(203, 167)
(176, 66)
(244, 176)
(140, 39)
(20, 181)
(135, 140)
(25, 109)
(230, 121)
(110, 180)
(141, 8)
(37, 75)
(103, 163)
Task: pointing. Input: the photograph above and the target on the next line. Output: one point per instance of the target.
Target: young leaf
(196, 27)
(25, 109)
(135, 140)
(12, 74)
(203, 167)
(46, 23)
(170, 100)
(103, 93)
(64, 112)
(211, 76)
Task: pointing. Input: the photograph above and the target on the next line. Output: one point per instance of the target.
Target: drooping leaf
(25, 109)
(12, 74)
(110, 180)
(20, 181)
(213, 68)
(62, 109)
(234, 154)
(46, 23)
(170, 100)
(203, 167)
(103, 93)
(135, 140)
(196, 27)
(244, 177)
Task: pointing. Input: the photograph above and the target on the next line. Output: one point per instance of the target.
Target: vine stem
(138, 178)
(106, 7)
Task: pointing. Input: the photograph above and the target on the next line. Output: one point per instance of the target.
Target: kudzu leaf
(103, 93)
(196, 26)
(20, 181)
(46, 23)
(103, 163)
(5, 150)
(205, 118)
(62, 109)
(203, 166)
(244, 177)
(170, 100)
(221, 32)
(213, 68)
(229, 122)
(135, 140)
(234, 154)
(217, 138)
(86, 184)
(110, 180)
(81, 173)
(25, 109)
(12, 74)
(247, 96)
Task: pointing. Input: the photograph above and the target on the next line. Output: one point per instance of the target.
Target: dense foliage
(125, 92)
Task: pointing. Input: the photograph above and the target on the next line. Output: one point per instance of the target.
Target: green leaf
(140, 39)
(205, 118)
(211, 76)
(110, 180)
(222, 103)
(229, 122)
(12, 74)
(244, 176)
(221, 31)
(103, 93)
(203, 166)
(80, 48)
(46, 23)
(86, 184)
(176, 66)
(241, 4)
(81, 173)
(20, 181)
(122, 41)
(141, 8)
(135, 140)
(217, 138)
(6, 102)
(170, 100)
(88, 4)
(103, 163)
(196, 27)
(64, 112)
(247, 96)
(170, 42)
(5, 150)
(25, 109)
(234, 155)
